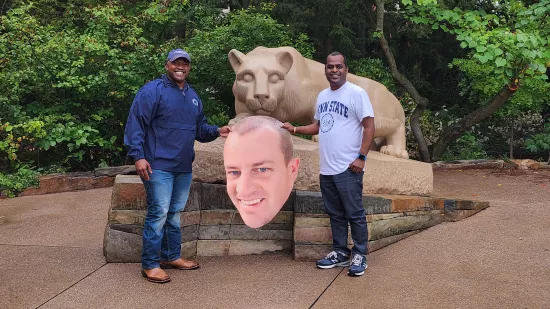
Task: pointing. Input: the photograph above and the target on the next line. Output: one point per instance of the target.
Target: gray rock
(309, 202)
(189, 233)
(214, 196)
(376, 204)
(247, 233)
(195, 197)
(390, 227)
(214, 232)
(121, 247)
(468, 164)
(112, 171)
(248, 247)
(213, 247)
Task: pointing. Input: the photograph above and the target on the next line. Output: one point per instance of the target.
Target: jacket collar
(168, 83)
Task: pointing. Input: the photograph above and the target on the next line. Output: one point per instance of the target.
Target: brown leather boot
(180, 264)
(156, 275)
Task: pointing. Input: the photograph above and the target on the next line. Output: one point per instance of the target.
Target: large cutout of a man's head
(259, 167)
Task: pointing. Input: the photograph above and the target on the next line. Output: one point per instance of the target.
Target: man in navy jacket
(165, 119)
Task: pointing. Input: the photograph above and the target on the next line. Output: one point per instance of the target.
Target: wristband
(362, 157)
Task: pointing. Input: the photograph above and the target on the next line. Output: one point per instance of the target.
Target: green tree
(514, 46)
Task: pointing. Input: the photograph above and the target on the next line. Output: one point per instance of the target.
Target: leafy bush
(467, 147)
(12, 184)
(540, 142)
(66, 83)
(374, 69)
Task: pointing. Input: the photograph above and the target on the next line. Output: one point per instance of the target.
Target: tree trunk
(512, 138)
(455, 131)
(421, 102)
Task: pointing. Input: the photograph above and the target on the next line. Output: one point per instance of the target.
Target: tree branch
(421, 102)
(453, 132)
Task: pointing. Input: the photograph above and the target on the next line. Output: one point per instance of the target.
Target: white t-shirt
(340, 113)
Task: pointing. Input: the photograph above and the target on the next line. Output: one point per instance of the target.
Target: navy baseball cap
(178, 53)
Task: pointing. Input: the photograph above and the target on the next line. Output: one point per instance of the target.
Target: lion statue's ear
(285, 60)
(236, 58)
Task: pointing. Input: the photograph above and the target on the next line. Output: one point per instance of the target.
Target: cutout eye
(248, 77)
(273, 78)
(233, 173)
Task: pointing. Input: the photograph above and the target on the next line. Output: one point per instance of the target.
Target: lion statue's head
(260, 78)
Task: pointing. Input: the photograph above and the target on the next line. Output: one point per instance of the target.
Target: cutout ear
(294, 166)
(236, 58)
(285, 60)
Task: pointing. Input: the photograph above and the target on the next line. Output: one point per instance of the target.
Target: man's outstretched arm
(312, 129)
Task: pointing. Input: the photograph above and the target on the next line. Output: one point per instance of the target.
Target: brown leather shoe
(180, 264)
(155, 275)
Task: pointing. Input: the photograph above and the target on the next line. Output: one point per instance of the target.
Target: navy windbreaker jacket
(163, 123)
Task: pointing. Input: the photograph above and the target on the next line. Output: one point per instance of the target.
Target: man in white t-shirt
(345, 124)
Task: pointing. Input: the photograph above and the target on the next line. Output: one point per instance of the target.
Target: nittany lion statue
(281, 83)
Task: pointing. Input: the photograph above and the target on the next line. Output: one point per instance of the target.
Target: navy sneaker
(333, 259)
(358, 265)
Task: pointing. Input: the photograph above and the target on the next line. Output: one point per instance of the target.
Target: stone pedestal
(383, 174)
(211, 226)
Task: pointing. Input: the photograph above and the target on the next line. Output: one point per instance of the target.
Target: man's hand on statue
(143, 169)
(224, 131)
(357, 165)
(287, 126)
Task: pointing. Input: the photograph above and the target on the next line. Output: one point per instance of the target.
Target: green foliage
(479, 85)
(69, 142)
(66, 83)
(12, 184)
(72, 79)
(515, 45)
(539, 142)
(467, 147)
(374, 69)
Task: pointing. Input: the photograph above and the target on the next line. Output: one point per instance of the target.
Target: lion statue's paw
(315, 138)
(393, 151)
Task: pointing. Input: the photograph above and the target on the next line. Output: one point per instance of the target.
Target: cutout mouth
(251, 203)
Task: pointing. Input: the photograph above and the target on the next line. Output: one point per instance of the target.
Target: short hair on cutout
(252, 123)
(336, 53)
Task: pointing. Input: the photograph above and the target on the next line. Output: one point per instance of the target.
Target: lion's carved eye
(248, 77)
(273, 78)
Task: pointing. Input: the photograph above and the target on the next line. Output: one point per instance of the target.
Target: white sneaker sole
(357, 274)
(341, 264)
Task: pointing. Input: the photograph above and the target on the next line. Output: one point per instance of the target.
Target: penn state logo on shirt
(196, 102)
(327, 121)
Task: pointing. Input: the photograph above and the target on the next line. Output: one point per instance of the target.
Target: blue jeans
(167, 194)
(342, 196)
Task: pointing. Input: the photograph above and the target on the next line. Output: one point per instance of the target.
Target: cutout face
(259, 181)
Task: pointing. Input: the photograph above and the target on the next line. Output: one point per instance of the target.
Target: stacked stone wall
(211, 226)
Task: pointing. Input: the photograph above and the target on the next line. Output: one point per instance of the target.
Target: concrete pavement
(51, 257)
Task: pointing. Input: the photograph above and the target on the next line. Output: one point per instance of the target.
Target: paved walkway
(51, 257)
